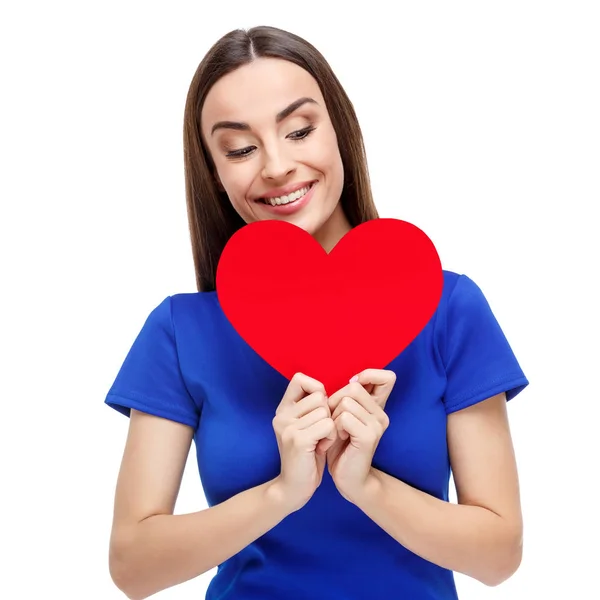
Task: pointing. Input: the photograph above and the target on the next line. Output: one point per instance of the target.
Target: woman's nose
(276, 164)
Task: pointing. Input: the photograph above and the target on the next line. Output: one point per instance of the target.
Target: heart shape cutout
(333, 315)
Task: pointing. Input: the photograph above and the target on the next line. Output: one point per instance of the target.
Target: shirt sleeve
(478, 358)
(150, 378)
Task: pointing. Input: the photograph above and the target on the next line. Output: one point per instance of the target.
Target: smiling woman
(263, 165)
(310, 496)
(296, 143)
(261, 123)
(276, 152)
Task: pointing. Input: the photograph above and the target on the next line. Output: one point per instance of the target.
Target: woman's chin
(304, 222)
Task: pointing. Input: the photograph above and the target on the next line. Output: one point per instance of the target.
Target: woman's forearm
(468, 539)
(166, 550)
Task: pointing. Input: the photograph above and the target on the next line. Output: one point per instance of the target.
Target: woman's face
(266, 142)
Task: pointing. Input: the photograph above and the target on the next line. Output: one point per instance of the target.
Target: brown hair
(212, 218)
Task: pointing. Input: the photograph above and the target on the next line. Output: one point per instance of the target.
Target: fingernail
(355, 378)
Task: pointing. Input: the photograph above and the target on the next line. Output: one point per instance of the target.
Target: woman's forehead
(259, 90)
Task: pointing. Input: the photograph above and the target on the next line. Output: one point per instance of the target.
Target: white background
(482, 127)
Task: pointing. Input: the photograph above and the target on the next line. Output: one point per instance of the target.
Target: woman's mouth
(283, 200)
(290, 203)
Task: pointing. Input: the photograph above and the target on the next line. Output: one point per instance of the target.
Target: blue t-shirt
(188, 364)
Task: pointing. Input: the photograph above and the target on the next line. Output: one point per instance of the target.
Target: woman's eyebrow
(286, 112)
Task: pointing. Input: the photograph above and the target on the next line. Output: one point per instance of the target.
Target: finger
(373, 412)
(357, 391)
(348, 425)
(350, 405)
(301, 385)
(382, 380)
(336, 449)
(322, 429)
(326, 443)
(339, 427)
(378, 377)
(306, 405)
(314, 416)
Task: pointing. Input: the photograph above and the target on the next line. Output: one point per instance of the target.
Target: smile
(278, 201)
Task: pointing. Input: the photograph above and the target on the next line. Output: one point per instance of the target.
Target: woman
(310, 497)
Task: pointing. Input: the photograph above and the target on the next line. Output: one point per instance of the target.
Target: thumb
(364, 381)
(326, 443)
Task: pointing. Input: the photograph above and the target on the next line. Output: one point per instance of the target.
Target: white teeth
(289, 198)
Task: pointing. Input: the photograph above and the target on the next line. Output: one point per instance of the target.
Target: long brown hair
(212, 218)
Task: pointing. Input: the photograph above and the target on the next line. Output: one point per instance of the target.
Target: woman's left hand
(358, 412)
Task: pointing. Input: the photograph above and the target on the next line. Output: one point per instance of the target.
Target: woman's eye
(296, 136)
(239, 153)
(302, 133)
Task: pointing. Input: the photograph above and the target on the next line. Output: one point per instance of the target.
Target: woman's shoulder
(194, 320)
(457, 285)
(194, 298)
(461, 297)
(197, 305)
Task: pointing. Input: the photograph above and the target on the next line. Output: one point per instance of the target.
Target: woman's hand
(358, 413)
(302, 421)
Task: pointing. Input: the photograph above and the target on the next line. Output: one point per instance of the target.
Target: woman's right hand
(301, 421)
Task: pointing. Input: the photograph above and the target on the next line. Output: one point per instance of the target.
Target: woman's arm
(151, 549)
(482, 535)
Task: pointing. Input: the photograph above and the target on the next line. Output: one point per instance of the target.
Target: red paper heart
(332, 315)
